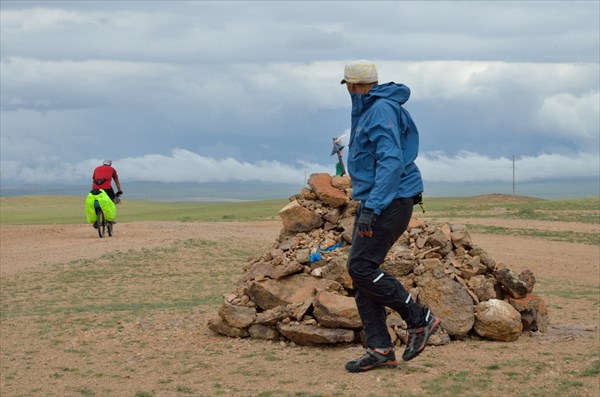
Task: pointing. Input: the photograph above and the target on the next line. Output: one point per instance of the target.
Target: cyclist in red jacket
(103, 177)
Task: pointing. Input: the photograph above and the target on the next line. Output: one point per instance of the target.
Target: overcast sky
(222, 91)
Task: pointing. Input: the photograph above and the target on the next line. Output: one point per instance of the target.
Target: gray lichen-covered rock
(497, 320)
(516, 287)
(337, 270)
(483, 287)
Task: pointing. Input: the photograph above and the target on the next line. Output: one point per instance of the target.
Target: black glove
(120, 192)
(365, 222)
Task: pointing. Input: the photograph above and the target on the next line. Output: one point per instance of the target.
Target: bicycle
(102, 224)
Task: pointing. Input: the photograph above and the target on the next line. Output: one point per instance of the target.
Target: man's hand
(120, 192)
(365, 222)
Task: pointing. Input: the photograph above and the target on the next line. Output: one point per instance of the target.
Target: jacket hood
(392, 91)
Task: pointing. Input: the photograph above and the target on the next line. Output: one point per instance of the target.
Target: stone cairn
(300, 291)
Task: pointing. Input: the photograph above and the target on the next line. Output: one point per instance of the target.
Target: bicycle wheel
(101, 224)
(109, 227)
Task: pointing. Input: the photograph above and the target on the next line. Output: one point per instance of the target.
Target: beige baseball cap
(360, 72)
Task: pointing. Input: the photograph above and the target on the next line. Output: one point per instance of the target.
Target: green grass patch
(457, 383)
(143, 394)
(43, 210)
(28, 210)
(504, 378)
(184, 389)
(593, 370)
(588, 293)
(584, 210)
(570, 237)
(464, 204)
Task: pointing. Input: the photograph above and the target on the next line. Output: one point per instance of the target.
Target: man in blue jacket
(383, 146)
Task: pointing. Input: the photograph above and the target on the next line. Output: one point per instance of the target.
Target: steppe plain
(126, 315)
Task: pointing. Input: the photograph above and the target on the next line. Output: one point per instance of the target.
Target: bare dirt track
(36, 246)
(181, 357)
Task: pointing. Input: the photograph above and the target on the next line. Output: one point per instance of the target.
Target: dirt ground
(34, 247)
(535, 365)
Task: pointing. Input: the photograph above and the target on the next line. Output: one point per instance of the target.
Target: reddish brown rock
(336, 311)
(259, 331)
(533, 310)
(341, 182)
(295, 289)
(315, 335)
(297, 218)
(329, 195)
(220, 326)
(237, 316)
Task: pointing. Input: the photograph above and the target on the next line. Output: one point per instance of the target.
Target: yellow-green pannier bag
(108, 207)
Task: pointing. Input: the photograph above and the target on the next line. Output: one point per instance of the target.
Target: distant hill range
(253, 190)
(171, 192)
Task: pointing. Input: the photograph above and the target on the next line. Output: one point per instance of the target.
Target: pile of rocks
(300, 290)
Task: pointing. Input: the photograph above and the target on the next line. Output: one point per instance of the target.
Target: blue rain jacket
(384, 143)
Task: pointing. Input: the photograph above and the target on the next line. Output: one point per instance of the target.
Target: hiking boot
(373, 359)
(417, 337)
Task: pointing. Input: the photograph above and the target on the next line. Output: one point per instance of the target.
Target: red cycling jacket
(103, 176)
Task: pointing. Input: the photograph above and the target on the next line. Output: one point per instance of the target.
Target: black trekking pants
(376, 289)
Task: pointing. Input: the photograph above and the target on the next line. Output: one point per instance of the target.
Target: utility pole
(513, 169)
